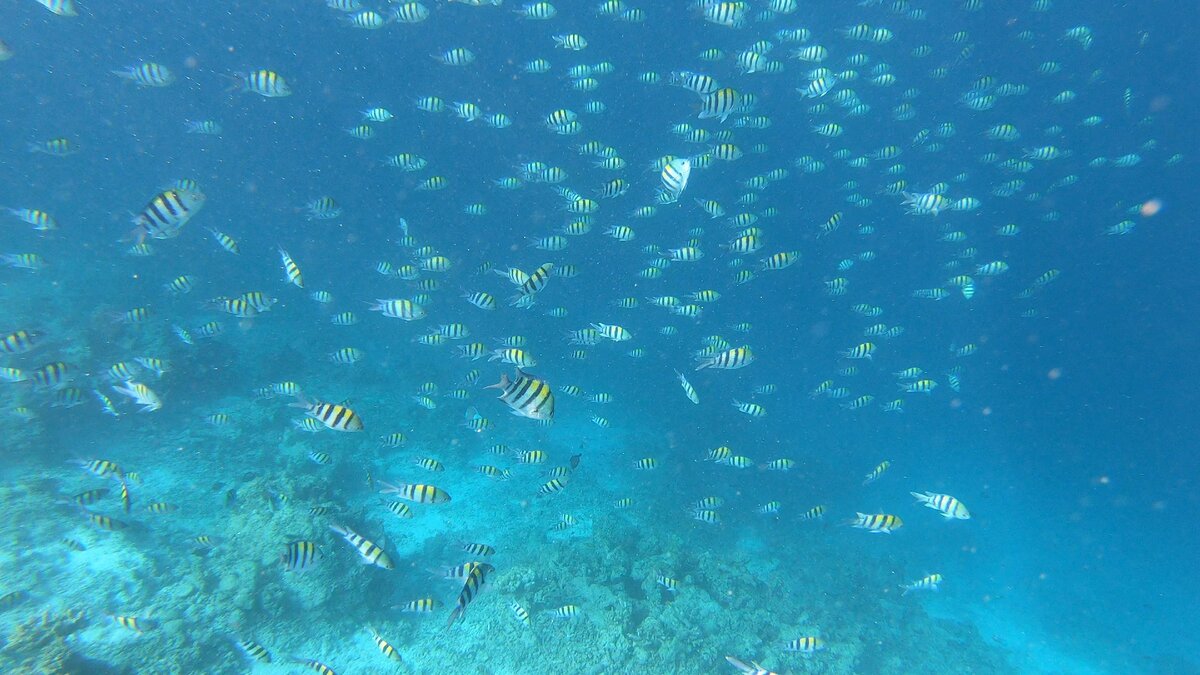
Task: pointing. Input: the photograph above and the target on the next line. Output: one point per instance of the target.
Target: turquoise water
(1037, 285)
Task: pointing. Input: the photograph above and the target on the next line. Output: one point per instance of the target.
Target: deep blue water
(1072, 439)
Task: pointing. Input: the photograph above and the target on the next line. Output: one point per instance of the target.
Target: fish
(877, 523)
(526, 396)
(166, 214)
(299, 556)
(371, 553)
(147, 75)
(291, 271)
(416, 492)
(751, 668)
(332, 415)
(806, 646)
(252, 650)
(731, 359)
(141, 395)
(520, 613)
(265, 83)
(877, 472)
(929, 582)
(384, 646)
(314, 665)
(949, 507)
(688, 389)
(420, 606)
(475, 580)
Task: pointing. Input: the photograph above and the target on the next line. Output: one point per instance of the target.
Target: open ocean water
(756, 280)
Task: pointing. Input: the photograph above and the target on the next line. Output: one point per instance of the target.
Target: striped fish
(166, 214)
(520, 613)
(675, 179)
(877, 523)
(417, 492)
(536, 281)
(949, 507)
(60, 7)
(370, 552)
(333, 416)
(291, 271)
(806, 646)
(263, 82)
(688, 389)
(147, 75)
(19, 342)
(421, 605)
(732, 359)
(384, 646)
(719, 104)
(526, 396)
(252, 650)
(314, 665)
(299, 556)
(927, 583)
(877, 472)
(474, 583)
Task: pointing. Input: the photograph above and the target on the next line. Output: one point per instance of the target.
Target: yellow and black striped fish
(90, 497)
(105, 523)
(300, 555)
(420, 605)
(253, 650)
(264, 82)
(333, 416)
(291, 271)
(166, 214)
(370, 552)
(19, 342)
(526, 396)
(417, 492)
(315, 665)
(537, 281)
(732, 359)
(475, 581)
(132, 623)
(51, 374)
(877, 522)
(384, 646)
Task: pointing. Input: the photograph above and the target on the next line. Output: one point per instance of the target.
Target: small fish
(384, 646)
(688, 389)
(252, 650)
(370, 552)
(416, 492)
(141, 395)
(476, 578)
(333, 416)
(520, 613)
(877, 472)
(806, 646)
(420, 606)
(526, 396)
(291, 271)
(299, 556)
(949, 507)
(929, 582)
(877, 523)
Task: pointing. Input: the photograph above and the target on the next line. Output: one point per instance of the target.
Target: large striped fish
(166, 214)
(470, 589)
(332, 415)
(675, 179)
(526, 396)
(372, 554)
